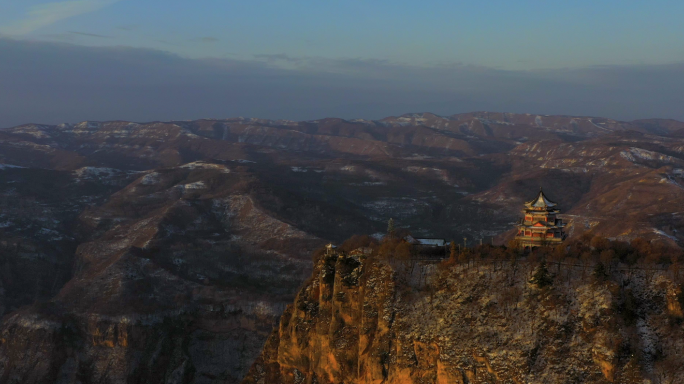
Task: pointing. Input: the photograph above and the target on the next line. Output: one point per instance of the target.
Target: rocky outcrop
(338, 329)
(358, 320)
(204, 345)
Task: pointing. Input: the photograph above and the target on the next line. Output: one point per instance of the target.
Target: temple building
(541, 225)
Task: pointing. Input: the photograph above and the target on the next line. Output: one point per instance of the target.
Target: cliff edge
(363, 319)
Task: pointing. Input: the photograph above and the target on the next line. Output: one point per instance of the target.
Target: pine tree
(541, 277)
(390, 228)
(600, 271)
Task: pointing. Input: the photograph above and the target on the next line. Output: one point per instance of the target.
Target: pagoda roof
(541, 201)
(538, 226)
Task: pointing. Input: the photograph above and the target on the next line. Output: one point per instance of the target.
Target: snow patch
(9, 166)
(661, 233)
(150, 179)
(34, 131)
(203, 165)
(637, 153)
(649, 339)
(191, 186)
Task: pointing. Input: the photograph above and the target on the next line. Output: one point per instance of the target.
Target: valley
(168, 250)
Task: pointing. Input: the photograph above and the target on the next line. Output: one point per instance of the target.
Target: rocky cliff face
(358, 320)
(209, 344)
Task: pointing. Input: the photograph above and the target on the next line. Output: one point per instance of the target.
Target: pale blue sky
(523, 34)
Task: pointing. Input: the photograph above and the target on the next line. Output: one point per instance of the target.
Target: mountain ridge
(205, 228)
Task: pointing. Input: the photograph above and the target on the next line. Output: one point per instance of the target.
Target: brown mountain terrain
(165, 251)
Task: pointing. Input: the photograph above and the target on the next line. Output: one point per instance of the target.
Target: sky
(66, 61)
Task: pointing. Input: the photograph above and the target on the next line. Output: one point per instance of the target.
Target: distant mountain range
(140, 249)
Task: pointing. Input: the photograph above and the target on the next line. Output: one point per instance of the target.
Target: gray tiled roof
(541, 201)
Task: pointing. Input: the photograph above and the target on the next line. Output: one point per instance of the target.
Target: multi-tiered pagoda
(541, 225)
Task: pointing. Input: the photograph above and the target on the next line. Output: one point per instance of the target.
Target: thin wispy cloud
(282, 57)
(206, 39)
(89, 34)
(169, 43)
(127, 27)
(42, 15)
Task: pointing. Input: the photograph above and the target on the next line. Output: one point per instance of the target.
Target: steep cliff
(209, 344)
(359, 320)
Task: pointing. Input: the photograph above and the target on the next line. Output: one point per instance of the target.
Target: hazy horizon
(68, 61)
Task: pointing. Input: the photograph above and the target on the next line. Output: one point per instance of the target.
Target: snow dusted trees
(390, 228)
